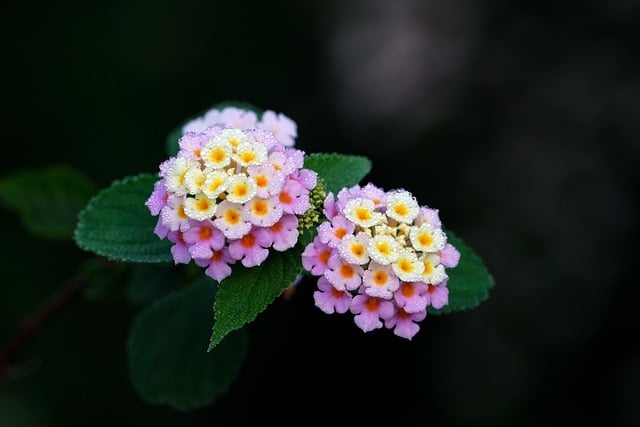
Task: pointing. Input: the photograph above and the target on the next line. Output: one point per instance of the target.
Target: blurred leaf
(174, 135)
(469, 282)
(338, 170)
(248, 291)
(106, 279)
(47, 200)
(117, 224)
(149, 282)
(168, 358)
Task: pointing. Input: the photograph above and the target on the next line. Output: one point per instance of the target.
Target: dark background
(518, 120)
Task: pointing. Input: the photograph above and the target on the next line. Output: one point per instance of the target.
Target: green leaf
(248, 291)
(469, 282)
(149, 282)
(338, 170)
(175, 134)
(167, 350)
(47, 200)
(117, 224)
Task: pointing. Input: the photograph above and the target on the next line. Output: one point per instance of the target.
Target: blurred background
(518, 120)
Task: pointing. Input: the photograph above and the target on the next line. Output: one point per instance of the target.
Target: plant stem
(31, 325)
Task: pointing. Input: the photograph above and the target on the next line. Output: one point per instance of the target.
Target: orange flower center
(276, 227)
(285, 198)
(205, 233)
(232, 216)
(336, 293)
(324, 256)
(408, 290)
(380, 278)
(248, 241)
(372, 304)
(262, 181)
(260, 208)
(347, 271)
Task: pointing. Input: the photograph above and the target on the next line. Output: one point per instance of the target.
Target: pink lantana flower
(276, 126)
(412, 297)
(331, 300)
(438, 295)
(191, 145)
(405, 324)
(161, 230)
(238, 118)
(294, 198)
(330, 209)
(369, 310)
(180, 249)
(332, 232)
(316, 256)
(218, 265)
(251, 248)
(173, 215)
(379, 281)
(203, 238)
(284, 233)
(449, 256)
(282, 127)
(343, 275)
(269, 181)
(158, 199)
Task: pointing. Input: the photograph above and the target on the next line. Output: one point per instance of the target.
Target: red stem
(31, 325)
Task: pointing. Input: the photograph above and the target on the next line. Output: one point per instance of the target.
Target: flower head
(231, 194)
(270, 126)
(387, 252)
(282, 127)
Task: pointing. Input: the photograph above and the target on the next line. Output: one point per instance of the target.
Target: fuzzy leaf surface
(248, 291)
(338, 170)
(117, 224)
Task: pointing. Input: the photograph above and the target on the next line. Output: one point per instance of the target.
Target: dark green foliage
(469, 282)
(248, 291)
(47, 200)
(168, 358)
(338, 170)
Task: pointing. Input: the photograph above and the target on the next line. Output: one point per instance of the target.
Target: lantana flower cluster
(284, 128)
(230, 195)
(382, 257)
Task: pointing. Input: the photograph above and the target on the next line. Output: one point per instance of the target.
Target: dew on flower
(408, 267)
(427, 238)
(240, 188)
(215, 183)
(402, 206)
(383, 249)
(194, 180)
(199, 207)
(216, 154)
(241, 185)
